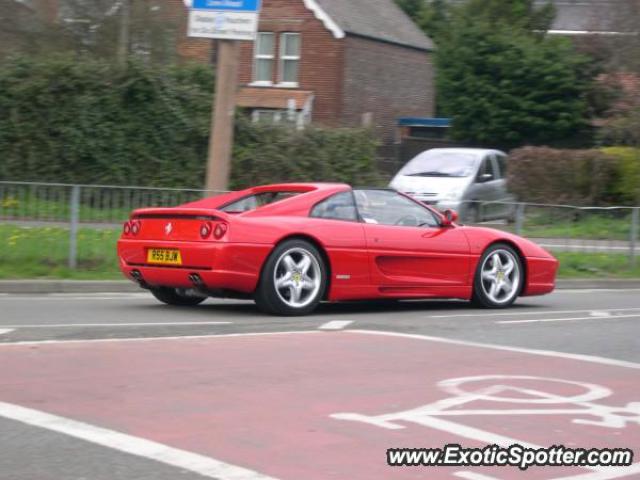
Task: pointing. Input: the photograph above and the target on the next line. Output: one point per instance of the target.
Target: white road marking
(99, 294)
(570, 319)
(84, 325)
(606, 473)
(6, 330)
(48, 298)
(545, 353)
(473, 476)
(335, 325)
(193, 462)
(151, 339)
(516, 312)
(596, 290)
(600, 313)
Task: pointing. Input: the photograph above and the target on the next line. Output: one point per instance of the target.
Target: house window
(268, 116)
(264, 58)
(289, 59)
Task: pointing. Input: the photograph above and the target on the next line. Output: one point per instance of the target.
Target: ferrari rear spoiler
(205, 214)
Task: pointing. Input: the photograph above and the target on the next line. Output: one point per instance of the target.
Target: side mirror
(449, 217)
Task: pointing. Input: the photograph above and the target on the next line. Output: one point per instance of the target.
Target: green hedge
(578, 177)
(627, 185)
(91, 122)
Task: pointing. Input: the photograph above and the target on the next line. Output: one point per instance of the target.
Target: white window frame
(283, 58)
(257, 56)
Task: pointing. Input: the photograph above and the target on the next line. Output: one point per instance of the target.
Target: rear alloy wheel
(293, 280)
(178, 296)
(499, 277)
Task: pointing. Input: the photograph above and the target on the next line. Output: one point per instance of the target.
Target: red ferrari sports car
(291, 246)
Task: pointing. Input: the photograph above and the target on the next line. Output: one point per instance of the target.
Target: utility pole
(124, 37)
(222, 122)
(229, 23)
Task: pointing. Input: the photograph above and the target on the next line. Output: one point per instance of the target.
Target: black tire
(270, 300)
(481, 297)
(176, 296)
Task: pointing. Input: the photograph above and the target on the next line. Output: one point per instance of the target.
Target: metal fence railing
(76, 226)
(563, 228)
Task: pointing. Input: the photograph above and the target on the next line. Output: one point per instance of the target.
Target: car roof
(309, 193)
(474, 151)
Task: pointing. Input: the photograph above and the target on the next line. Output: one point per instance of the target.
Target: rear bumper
(541, 276)
(220, 266)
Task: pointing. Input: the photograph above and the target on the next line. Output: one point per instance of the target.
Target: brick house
(335, 63)
(331, 62)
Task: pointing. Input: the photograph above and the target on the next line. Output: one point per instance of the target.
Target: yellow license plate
(164, 256)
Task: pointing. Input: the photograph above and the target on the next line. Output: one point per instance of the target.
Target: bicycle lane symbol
(583, 408)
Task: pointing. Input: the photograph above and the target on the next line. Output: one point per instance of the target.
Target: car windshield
(386, 207)
(441, 164)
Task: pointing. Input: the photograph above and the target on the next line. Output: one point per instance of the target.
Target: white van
(467, 180)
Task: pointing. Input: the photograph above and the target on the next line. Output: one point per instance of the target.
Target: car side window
(386, 207)
(340, 206)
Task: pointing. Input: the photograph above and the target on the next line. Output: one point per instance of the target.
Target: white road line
(140, 447)
(596, 290)
(151, 339)
(85, 325)
(99, 294)
(606, 473)
(335, 325)
(48, 298)
(515, 313)
(473, 476)
(6, 330)
(570, 319)
(530, 351)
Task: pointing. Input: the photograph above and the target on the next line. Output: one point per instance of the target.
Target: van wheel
(293, 280)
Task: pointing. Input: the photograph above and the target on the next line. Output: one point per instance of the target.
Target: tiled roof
(377, 19)
(594, 15)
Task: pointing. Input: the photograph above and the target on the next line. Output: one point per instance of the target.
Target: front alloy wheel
(499, 277)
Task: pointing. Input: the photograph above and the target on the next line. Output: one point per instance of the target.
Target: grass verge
(42, 252)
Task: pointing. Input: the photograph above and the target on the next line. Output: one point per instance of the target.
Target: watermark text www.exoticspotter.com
(513, 456)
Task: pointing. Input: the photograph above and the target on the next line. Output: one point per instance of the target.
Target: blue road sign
(227, 5)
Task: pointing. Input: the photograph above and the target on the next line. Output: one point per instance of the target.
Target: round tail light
(220, 230)
(126, 228)
(205, 230)
(135, 227)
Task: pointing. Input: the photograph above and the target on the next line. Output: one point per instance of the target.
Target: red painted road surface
(268, 403)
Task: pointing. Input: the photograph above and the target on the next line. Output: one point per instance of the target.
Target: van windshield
(441, 164)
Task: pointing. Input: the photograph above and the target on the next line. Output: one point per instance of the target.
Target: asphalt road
(601, 323)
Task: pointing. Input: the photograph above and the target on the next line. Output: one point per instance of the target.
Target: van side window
(502, 165)
(486, 172)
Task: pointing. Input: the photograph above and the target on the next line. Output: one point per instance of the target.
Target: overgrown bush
(266, 154)
(578, 177)
(91, 122)
(627, 186)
